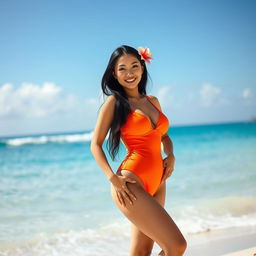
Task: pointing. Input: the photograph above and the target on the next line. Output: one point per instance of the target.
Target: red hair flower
(145, 54)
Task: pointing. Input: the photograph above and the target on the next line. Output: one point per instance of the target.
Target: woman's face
(128, 71)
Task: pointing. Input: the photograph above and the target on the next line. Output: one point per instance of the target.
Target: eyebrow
(132, 63)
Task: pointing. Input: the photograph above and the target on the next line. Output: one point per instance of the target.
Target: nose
(129, 73)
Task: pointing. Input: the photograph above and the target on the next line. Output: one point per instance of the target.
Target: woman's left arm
(169, 160)
(166, 144)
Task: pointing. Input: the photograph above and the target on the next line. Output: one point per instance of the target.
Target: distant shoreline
(88, 131)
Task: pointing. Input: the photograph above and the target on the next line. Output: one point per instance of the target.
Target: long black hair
(111, 86)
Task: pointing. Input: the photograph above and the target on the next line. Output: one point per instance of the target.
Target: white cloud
(248, 95)
(165, 96)
(209, 95)
(168, 98)
(183, 98)
(34, 101)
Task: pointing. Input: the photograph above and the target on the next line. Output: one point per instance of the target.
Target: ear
(114, 74)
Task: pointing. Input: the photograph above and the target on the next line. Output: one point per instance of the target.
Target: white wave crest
(67, 138)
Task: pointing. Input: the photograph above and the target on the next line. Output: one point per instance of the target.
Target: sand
(247, 252)
(239, 241)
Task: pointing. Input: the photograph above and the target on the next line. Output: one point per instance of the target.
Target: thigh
(139, 241)
(160, 194)
(150, 217)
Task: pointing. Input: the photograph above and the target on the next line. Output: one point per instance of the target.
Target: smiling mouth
(130, 80)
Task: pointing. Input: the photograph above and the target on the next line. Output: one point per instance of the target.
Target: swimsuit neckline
(159, 115)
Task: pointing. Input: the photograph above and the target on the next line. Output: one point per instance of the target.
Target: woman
(138, 186)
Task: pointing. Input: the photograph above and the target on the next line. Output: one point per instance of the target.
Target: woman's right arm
(102, 126)
(105, 118)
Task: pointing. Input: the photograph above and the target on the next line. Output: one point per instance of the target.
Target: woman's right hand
(122, 191)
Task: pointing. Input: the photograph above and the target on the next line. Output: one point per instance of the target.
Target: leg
(160, 195)
(151, 218)
(140, 243)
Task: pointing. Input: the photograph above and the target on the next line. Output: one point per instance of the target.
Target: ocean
(55, 200)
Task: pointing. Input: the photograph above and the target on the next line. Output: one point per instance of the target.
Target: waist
(152, 153)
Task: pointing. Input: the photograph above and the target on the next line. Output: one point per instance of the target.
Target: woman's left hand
(168, 163)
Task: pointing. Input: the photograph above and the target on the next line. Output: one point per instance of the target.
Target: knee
(182, 246)
(177, 250)
(142, 252)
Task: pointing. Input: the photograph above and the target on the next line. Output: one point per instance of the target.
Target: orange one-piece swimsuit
(143, 146)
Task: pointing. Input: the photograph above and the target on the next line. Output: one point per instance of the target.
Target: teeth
(130, 80)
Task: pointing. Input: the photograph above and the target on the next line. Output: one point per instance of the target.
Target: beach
(225, 242)
(245, 252)
(55, 200)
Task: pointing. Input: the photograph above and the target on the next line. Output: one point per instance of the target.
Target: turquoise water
(55, 199)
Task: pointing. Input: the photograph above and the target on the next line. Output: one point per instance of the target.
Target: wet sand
(239, 241)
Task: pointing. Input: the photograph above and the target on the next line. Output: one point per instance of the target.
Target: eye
(123, 68)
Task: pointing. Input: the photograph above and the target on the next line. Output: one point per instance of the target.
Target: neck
(136, 96)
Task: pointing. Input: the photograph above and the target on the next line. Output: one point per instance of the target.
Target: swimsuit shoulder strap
(152, 103)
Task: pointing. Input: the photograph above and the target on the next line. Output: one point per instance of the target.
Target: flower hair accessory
(145, 54)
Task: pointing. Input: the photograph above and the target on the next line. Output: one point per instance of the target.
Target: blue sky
(53, 55)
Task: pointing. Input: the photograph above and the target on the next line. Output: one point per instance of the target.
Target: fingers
(167, 173)
(128, 194)
(127, 190)
(120, 198)
(130, 180)
(125, 194)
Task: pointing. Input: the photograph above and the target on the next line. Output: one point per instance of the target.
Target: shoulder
(155, 101)
(111, 99)
(109, 103)
(104, 120)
